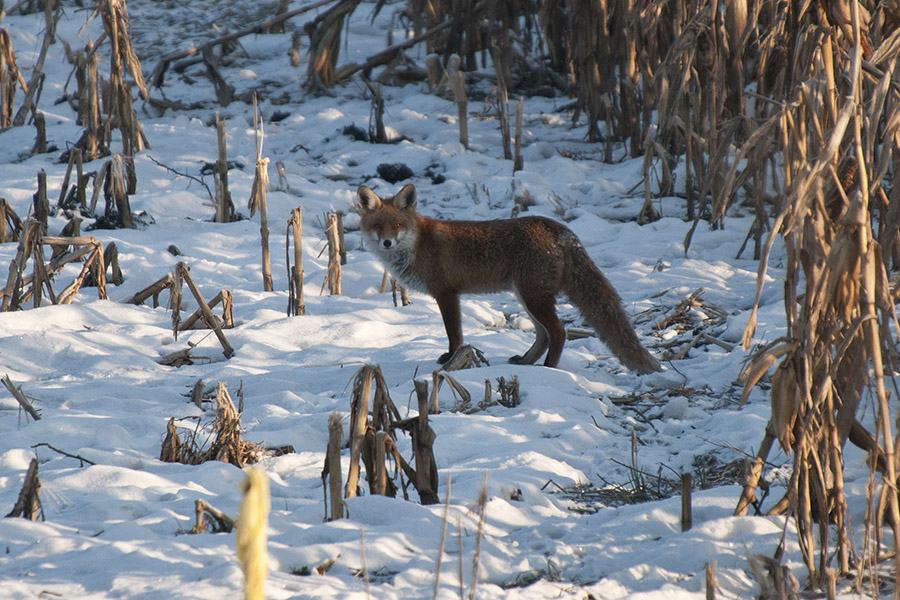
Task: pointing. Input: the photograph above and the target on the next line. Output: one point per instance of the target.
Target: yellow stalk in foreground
(251, 534)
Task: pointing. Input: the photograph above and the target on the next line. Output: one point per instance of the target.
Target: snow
(115, 529)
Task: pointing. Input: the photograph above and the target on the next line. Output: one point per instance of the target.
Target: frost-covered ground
(112, 529)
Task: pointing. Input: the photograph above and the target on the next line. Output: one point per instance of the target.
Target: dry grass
(640, 486)
(691, 323)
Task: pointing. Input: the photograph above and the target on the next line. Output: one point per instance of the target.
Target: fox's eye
(377, 227)
(397, 225)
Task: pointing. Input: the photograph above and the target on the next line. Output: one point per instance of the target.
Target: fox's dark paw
(444, 357)
(522, 360)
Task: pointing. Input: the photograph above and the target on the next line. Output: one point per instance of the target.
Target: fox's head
(388, 225)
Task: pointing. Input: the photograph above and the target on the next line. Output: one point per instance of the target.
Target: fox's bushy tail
(599, 303)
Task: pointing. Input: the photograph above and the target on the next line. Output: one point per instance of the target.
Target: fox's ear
(367, 200)
(406, 198)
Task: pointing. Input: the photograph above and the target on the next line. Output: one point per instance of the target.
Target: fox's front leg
(448, 302)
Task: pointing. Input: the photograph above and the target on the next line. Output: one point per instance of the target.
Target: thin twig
(64, 453)
(180, 174)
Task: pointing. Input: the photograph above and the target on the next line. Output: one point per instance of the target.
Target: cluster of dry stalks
(825, 137)
(101, 106)
(591, 50)
(22, 287)
(228, 445)
(373, 441)
(120, 112)
(69, 246)
(794, 107)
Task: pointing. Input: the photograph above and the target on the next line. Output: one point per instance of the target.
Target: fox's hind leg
(541, 341)
(550, 333)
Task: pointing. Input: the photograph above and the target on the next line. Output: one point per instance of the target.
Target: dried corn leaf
(760, 365)
(785, 398)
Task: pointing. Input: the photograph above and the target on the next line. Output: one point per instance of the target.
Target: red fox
(535, 257)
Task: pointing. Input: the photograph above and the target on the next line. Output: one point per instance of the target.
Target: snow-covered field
(114, 529)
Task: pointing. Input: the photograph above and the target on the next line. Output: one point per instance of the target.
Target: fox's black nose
(387, 243)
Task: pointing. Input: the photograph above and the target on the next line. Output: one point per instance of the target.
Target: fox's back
(483, 256)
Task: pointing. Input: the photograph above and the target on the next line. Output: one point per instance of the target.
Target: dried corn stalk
(296, 305)
(333, 275)
(120, 111)
(224, 205)
(10, 77)
(332, 470)
(258, 198)
(10, 223)
(28, 505)
(363, 436)
(92, 142)
(325, 42)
